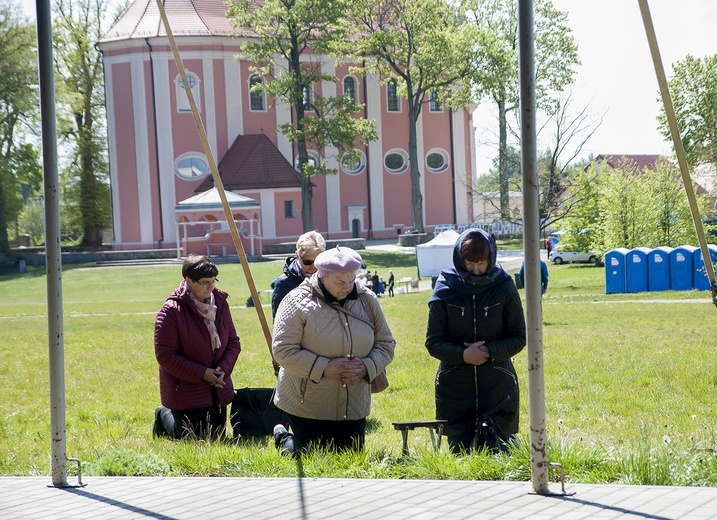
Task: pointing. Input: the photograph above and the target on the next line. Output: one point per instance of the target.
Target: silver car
(560, 257)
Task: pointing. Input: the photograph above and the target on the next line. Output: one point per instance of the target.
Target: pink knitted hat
(337, 260)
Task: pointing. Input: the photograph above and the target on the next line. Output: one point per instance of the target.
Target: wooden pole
(218, 183)
(677, 141)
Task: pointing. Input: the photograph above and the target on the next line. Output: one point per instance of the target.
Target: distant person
(380, 288)
(297, 267)
(196, 346)
(475, 327)
(374, 281)
(543, 276)
(331, 340)
(548, 247)
(391, 282)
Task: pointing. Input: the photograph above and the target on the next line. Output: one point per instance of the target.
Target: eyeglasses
(306, 262)
(210, 284)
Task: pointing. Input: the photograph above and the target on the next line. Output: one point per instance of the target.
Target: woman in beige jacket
(331, 340)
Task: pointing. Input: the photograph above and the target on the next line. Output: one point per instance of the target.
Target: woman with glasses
(297, 267)
(196, 346)
(331, 340)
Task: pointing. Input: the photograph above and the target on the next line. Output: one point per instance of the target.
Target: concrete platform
(337, 499)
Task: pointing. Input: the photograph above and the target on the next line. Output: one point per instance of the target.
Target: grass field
(629, 382)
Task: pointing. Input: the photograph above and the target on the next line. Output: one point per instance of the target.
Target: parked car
(559, 257)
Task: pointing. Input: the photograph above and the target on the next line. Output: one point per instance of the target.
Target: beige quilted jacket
(308, 333)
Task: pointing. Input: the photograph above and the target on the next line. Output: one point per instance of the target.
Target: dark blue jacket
(291, 279)
(543, 275)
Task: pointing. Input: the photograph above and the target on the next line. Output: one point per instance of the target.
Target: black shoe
(158, 427)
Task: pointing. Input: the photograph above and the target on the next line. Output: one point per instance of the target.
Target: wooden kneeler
(435, 428)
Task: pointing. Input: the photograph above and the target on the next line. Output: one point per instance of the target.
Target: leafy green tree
(302, 33)
(80, 94)
(669, 208)
(556, 55)
(580, 210)
(424, 46)
(18, 112)
(627, 207)
(623, 208)
(693, 89)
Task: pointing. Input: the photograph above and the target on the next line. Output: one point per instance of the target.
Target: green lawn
(629, 382)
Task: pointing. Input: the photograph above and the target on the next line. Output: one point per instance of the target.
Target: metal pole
(677, 141)
(531, 245)
(53, 250)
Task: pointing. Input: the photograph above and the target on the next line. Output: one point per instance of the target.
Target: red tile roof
(641, 161)
(253, 162)
(186, 18)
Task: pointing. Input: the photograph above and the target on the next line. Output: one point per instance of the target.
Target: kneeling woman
(475, 327)
(330, 339)
(196, 346)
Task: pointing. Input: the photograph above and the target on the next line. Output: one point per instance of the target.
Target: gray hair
(310, 242)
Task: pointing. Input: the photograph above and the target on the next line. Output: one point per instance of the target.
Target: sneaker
(279, 430)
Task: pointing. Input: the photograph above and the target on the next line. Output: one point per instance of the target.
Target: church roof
(186, 18)
(253, 162)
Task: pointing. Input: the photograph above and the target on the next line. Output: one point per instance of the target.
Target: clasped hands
(215, 377)
(476, 353)
(346, 370)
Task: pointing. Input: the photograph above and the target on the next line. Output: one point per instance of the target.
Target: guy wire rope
(677, 140)
(218, 183)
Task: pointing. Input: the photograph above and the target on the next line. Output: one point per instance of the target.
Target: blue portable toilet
(636, 269)
(682, 268)
(555, 238)
(615, 271)
(658, 269)
(702, 283)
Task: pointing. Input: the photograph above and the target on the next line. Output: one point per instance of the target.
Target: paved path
(30, 498)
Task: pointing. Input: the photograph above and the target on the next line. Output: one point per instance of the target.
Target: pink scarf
(209, 313)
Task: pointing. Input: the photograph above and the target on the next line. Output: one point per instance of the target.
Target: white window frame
(182, 99)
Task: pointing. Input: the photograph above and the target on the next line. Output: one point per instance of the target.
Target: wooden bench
(435, 428)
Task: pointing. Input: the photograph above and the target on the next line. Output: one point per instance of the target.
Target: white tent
(436, 254)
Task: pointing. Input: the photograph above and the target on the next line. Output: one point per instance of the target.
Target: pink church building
(163, 193)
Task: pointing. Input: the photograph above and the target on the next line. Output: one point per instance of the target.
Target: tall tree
(627, 207)
(302, 33)
(423, 46)
(18, 109)
(80, 92)
(669, 209)
(693, 89)
(555, 58)
(571, 131)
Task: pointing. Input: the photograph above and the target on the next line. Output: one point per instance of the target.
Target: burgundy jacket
(183, 350)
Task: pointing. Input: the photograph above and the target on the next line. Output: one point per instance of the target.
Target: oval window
(396, 161)
(437, 161)
(353, 163)
(313, 161)
(191, 166)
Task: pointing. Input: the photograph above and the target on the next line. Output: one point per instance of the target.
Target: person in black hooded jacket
(475, 327)
(298, 266)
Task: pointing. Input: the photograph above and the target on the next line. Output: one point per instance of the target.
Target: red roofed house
(158, 167)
